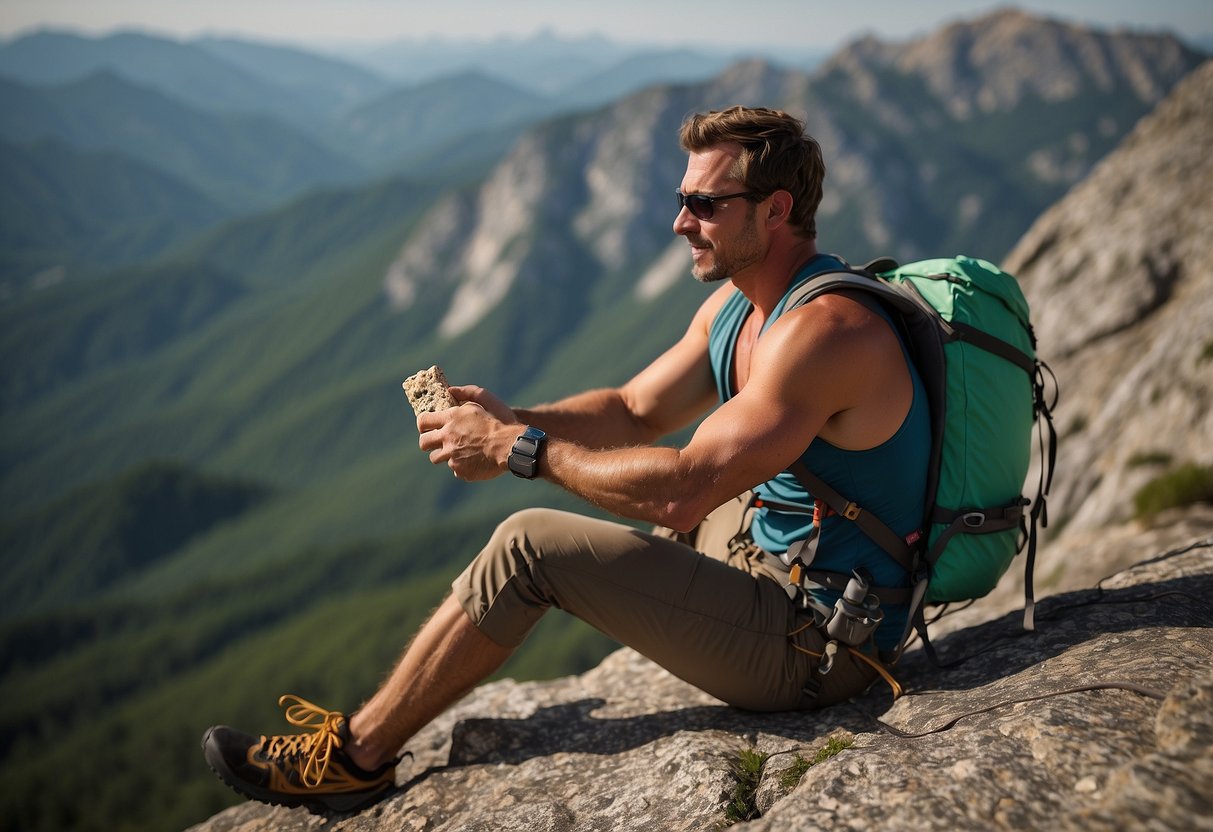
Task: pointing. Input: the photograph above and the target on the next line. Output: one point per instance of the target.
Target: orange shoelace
(317, 746)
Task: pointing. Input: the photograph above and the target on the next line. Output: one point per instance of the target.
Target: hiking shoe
(307, 769)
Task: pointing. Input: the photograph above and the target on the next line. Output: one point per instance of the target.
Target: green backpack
(966, 325)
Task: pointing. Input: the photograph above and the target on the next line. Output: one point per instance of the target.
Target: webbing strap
(803, 551)
(918, 592)
(836, 581)
(982, 520)
(1029, 591)
(974, 521)
(1048, 460)
(989, 343)
(868, 523)
(920, 624)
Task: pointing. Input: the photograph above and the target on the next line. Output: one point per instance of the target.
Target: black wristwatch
(524, 456)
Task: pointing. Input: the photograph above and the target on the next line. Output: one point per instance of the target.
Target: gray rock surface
(626, 746)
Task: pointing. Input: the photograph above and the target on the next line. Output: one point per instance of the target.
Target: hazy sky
(783, 23)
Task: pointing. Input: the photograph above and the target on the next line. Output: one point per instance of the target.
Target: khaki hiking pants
(720, 620)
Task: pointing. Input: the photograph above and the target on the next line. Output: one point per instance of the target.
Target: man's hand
(478, 395)
(474, 439)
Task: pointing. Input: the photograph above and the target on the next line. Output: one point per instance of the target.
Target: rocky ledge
(1100, 719)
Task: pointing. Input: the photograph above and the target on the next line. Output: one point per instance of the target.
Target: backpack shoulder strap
(863, 286)
(849, 280)
(871, 525)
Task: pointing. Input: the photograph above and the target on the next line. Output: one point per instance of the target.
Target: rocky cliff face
(1120, 279)
(1100, 719)
(994, 62)
(576, 199)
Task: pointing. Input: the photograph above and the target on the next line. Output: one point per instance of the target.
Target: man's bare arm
(665, 397)
(831, 368)
(834, 370)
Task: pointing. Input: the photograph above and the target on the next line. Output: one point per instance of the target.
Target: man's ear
(779, 209)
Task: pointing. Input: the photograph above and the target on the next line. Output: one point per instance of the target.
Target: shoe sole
(317, 804)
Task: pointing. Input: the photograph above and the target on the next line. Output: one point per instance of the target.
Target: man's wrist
(524, 456)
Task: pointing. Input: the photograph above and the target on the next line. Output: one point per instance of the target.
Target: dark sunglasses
(703, 207)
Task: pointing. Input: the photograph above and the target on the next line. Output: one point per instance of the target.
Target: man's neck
(765, 283)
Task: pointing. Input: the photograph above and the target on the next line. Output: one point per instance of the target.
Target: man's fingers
(431, 441)
(427, 422)
(466, 392)
(477, 395)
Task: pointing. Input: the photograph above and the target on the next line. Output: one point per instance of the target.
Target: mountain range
(589, 69)
(249, 354)
(248, 125)
(242, 160)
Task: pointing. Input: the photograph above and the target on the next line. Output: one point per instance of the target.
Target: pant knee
(527, 524)
(500, 589)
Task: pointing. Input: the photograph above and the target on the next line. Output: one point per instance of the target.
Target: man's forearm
(650, 484)
(593, 419)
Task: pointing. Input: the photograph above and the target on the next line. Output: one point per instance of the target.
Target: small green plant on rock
(792, 776)
(1189, 483)
(1143, 458)
(747, 771)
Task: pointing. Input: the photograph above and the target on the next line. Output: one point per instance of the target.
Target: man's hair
(776, 155)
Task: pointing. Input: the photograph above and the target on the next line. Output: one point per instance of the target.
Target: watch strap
(524, 456)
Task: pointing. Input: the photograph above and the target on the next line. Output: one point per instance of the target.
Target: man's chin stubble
(711, 276)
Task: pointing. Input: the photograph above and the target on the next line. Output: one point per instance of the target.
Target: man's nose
(685, 222)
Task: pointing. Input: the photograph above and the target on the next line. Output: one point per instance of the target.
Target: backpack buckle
(796, 573)
(851, 511)
(973, 519)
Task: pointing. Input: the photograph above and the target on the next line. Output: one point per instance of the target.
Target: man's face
(729, 242)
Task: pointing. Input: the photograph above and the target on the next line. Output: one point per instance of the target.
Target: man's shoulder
(841, 311)
(834, 331)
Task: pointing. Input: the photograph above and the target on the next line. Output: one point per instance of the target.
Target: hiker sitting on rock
(828, 383)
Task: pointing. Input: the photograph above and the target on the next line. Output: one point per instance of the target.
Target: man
(828, 382)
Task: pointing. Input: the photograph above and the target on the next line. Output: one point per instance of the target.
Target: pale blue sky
(782, 23)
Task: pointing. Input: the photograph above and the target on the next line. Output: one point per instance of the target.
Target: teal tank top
(888, 480)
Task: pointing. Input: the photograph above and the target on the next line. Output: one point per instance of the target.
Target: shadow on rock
(1002, 648)
(572, 728)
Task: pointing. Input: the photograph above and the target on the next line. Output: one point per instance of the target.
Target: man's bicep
(793, 390)
(748, 440)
